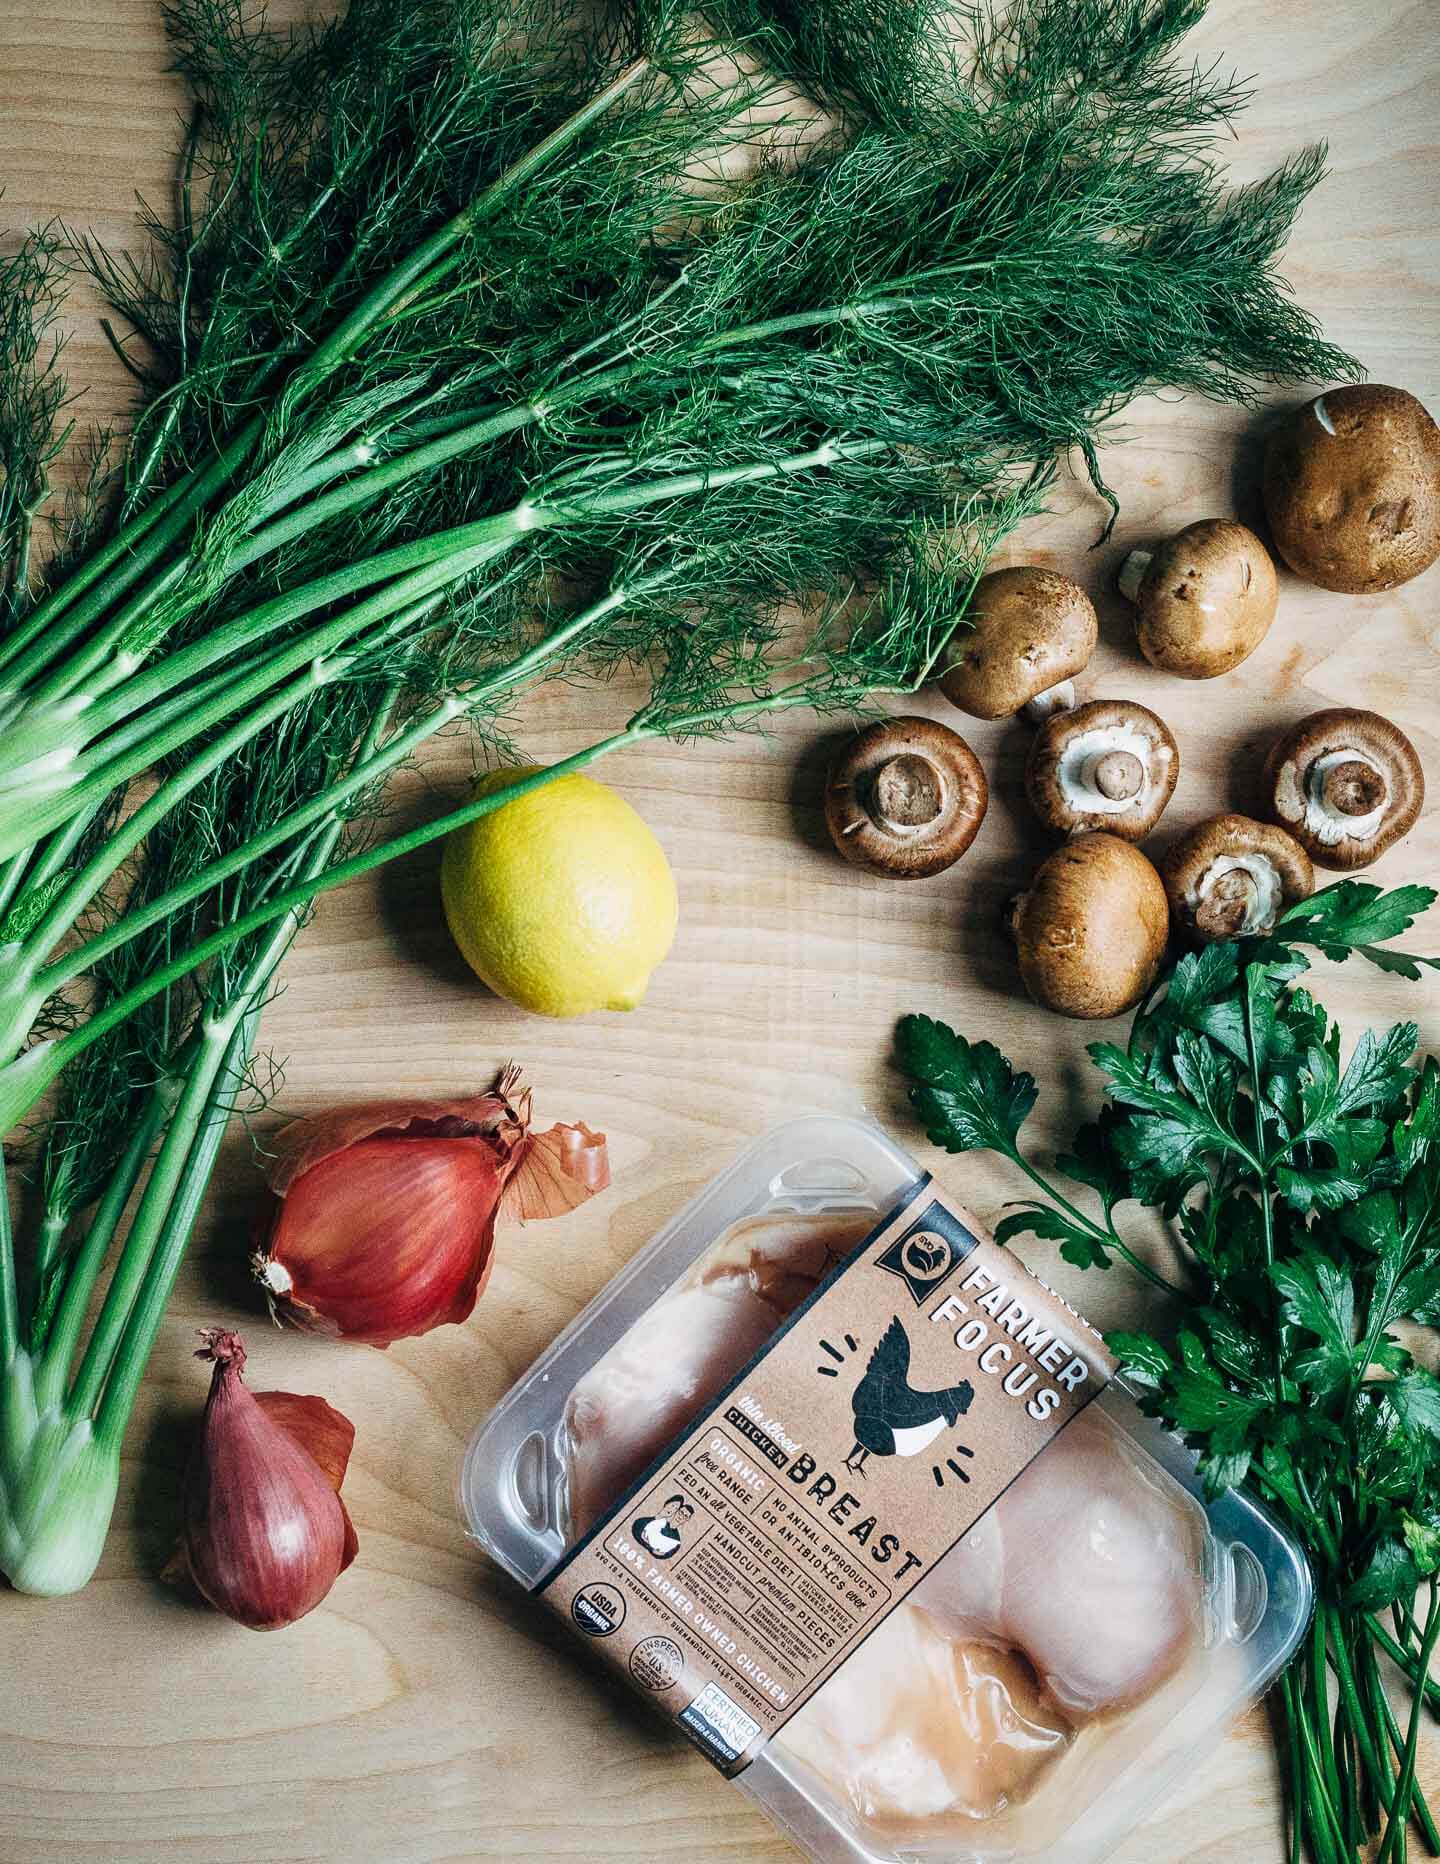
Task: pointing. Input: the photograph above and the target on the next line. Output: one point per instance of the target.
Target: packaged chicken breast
(859, 1503)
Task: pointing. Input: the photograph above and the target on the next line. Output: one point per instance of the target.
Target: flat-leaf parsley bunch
(1306, 1192)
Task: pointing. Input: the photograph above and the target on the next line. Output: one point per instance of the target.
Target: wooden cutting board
(426, 1712)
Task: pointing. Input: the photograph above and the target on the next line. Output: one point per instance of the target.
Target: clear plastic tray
(1256, 1586)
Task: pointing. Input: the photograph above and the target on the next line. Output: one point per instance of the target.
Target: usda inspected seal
(656, 1663)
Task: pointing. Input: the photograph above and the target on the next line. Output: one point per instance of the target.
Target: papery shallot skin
(384, 1225)
(690, 1344)
(386, 1239)
(265, 1532)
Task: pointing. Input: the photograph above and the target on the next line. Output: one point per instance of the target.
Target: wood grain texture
(426, 1712)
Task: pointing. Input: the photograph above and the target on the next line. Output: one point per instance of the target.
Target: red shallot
(385, 1225)
(265, 1532)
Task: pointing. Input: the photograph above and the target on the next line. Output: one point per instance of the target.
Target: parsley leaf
(1077, 1245)
(1389, 1575)
(1093, 1161)
(1141, 1359)
(1318, 1298)
(1356, 916)
(967, 1094)
(1416, 1398)
(1184, 1127)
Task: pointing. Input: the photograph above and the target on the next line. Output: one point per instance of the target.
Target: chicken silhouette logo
(892, 1418)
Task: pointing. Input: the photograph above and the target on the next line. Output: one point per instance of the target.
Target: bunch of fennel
(460, 307)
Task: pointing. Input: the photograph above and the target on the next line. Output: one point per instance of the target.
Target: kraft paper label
(873, 1430)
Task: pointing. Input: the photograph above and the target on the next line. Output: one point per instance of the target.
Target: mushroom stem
(1229, 906)
(1057, 698)
(1117, 775)
(1351, 787)
(907, 792)
(1132, 572)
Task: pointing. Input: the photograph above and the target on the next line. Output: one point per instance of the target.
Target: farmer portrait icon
(660, 1533)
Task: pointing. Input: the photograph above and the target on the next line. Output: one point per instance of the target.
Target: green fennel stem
(119, 1345)
(28, 990)
(9, 1291)
(173, 1231)
(456, 555)
(402, 745)
(410, 275)
(58, 1350)
(183, 499)
(161, 1187)
(164, 1234)
(130, 559)
(25, 1080)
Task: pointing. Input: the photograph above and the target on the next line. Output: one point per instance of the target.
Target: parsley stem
(1320, 1710)
(1297, 1797)
(1425, 1684)
(1103, 1233)
(1267, 1214)
(1400, 1804)
(1350, 1695)
(1384, 1717)
(1327, 1841)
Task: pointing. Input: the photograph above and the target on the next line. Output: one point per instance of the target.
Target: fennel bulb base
(57, 1491)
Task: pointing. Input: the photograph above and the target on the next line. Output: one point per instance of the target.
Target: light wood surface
(426, 1712)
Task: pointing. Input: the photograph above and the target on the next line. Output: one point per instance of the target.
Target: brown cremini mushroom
(1204, 600)
(1031, 632)
(1231, 877)
(1111, 765)
(1352, 488)
(1346, 784)
(905, 798)
(1091, 928)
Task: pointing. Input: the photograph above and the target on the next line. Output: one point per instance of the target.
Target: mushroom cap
(1206, 601)
(1030, 629)
(1352, 488)
(1231, 876)
(905, 797)
(1111, 765)
(1091, 928)
(1347, 784)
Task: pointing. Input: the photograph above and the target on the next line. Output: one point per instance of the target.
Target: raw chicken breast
(1090, 1565)
(690, 1344)
(966, 1590)
(920, 1725)
(1129, 1605)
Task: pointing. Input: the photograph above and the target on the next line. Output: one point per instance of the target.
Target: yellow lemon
(562, 900)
